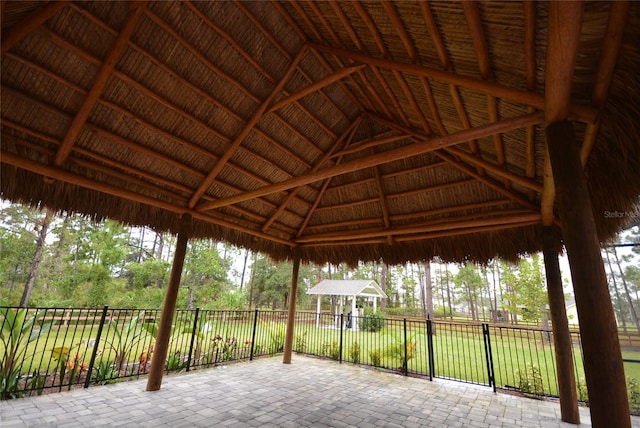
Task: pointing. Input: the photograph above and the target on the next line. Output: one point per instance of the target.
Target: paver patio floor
(267, 393)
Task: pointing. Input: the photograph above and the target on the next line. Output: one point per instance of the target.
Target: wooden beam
(531, 71)
(565, 24)
(496, 169)
(202, 188)
(440, 225)
(427, 145)
(412, 216)
(30, 23)
(57, 173)
(583, 113)
(563, 345)
(425, 236)
(509, 193)
(291, 314)
(618, 12)
(169, 307)
(99, 83)
(603, 365)
(346, 135)
(354, 148)
(317, 86)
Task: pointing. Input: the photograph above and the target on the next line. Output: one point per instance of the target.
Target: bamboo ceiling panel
(346, 130)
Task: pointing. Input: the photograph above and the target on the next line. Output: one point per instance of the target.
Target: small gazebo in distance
(345, 290)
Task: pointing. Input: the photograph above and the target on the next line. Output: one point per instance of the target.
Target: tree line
(69, 260)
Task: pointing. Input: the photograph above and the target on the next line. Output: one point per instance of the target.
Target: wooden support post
(603, 366)
(561, 336)
(166, 319)
(291, 317)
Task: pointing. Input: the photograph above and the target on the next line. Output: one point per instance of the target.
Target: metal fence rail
(53, 349)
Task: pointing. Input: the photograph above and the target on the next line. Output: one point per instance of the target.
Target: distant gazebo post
(347, 288)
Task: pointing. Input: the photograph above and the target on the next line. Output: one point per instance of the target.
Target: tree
(469, 282)
(204, 271)
(527, 294)
(40, 243)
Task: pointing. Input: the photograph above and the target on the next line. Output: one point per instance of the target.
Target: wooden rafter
(376, 71)
(29, 24)
(530, 66)
(245, 131)
(294, 25)
(317, 166)
(471, 221)
(618, 11)
(478, 38)
(370, 143)
(99, 83)
(236, 46)
(583, 113)
(57, 173)
(424, 146)
(317, 86)
(509, 193)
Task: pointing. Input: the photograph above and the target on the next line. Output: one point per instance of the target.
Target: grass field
(523, 358)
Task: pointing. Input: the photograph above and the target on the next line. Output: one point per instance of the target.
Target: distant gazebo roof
(332, 287)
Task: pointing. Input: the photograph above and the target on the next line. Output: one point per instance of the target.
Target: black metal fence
(51, 349)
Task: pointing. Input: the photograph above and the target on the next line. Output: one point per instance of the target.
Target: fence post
(87, 381)
(193, 338)
(430, 349)
(406, 360)
(489, 355)
(341, 325)
(253, 334)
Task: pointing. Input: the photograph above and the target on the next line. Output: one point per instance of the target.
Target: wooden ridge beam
(425, 146)
(583, 113)
(99, 83)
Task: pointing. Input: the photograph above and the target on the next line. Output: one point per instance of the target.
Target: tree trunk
(621, 312)
(428, 290)
(251, 280)
(626, 291)
(383, 285)
(446, 270)
(31, 279)
(244, 268)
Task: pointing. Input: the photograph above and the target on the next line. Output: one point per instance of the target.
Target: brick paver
(267, 393)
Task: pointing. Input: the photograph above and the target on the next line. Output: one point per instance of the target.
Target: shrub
(530, 381)
(333, 350)
(301, 342)
(374, 355)
(354, 351)
(370, 321)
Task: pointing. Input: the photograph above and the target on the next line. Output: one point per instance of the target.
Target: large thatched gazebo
(339, 132)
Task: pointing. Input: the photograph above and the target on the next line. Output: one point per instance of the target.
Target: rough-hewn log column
(291, 316)
(169, 307)
(601, 348)
(561, 336)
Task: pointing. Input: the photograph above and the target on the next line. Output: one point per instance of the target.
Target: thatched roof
(349, 130)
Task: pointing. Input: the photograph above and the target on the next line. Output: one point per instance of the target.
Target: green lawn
(522, 359)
